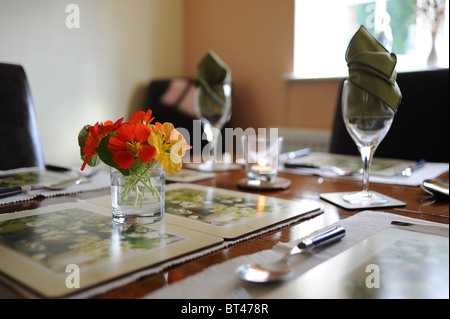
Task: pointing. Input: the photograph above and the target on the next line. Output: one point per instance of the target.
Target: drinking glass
(368, 119)
(213, 107)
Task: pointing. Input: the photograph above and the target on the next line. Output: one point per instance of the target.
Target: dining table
(419, 205)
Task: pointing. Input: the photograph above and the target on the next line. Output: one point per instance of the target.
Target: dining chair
(173, 100)
(420, 129)
(20, 144)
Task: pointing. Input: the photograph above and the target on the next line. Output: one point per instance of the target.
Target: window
(323, 29)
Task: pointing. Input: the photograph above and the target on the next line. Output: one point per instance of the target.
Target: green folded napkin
(211, 75)
(372, 68)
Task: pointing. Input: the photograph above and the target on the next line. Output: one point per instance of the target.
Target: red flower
(141, 117)
(130, 143)
(96, 133)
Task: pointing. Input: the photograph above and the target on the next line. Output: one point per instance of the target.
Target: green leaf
(82, 137)
(93, 161)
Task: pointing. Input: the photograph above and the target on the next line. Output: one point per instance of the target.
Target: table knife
(421, 228)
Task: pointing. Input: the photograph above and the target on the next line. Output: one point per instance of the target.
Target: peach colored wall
(312, 103)
(255, 38)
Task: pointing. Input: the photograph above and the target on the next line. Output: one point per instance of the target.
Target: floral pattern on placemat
(57, 239)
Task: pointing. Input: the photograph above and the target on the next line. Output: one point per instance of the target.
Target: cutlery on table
(294, 154)
(57, 168)
(280, 270)
(6, 192)
(408, 170)
(421, 228)
(436, 186)
(337, 170)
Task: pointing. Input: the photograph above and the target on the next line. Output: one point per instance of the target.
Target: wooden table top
(420, 205)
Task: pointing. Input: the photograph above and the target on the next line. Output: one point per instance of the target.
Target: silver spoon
(280, 270)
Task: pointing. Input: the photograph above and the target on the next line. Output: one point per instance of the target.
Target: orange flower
(96, 133)
(129, 144)
(170, 146)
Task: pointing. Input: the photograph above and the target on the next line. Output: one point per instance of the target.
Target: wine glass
(368, 119)
(213, 107)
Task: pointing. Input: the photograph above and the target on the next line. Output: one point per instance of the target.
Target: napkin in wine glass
(372, 68)
(211, 74)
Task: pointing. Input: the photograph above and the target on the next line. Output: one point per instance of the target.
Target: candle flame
(262, 161)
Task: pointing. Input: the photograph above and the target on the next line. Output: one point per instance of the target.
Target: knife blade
(421, 228)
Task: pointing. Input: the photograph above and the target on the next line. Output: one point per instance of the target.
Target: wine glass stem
(211, 137)
(366, 155)
(208, 132)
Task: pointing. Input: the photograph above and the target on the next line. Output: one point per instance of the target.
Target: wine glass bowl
(213, 107)
(368, 120)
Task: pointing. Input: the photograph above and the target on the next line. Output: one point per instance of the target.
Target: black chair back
(420, 129)
(20, 144)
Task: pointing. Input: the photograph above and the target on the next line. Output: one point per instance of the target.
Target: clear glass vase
(138, 198)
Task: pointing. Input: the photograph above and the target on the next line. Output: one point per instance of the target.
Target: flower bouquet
(133, 150)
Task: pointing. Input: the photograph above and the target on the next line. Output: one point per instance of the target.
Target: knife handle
(6, 192)
(326, 237)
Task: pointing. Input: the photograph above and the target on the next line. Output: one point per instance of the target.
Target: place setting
(332, 263)
(27, 183)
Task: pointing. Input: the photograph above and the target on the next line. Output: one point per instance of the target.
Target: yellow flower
(170, 146)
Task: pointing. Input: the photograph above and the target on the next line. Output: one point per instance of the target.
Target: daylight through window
(323, 29)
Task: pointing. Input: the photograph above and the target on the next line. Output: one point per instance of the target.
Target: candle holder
(261, 162)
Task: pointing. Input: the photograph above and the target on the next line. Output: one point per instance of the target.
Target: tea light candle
(261, 166)
(261, 169)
